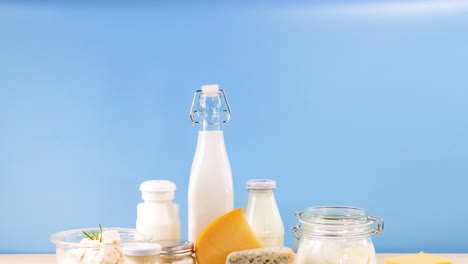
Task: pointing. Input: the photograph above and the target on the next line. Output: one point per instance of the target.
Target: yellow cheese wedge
(420, 258)
(229, 233)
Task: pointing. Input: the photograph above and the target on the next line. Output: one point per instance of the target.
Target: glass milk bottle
(210, 192)
(262, 214)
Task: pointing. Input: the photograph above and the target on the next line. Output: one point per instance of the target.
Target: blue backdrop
(343, 103)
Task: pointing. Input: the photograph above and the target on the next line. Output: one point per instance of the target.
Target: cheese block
(229, 233)
(273, 255)
(420, 258)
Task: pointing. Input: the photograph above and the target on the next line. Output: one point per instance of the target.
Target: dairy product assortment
(221, 234)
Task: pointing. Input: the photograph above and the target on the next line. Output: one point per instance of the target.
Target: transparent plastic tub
(71, 249)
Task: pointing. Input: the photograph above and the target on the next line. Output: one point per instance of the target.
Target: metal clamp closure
(380, 224)
(297, 231)
(298, 235)
(193, 112)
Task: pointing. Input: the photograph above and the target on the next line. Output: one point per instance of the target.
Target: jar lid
(142, 249)
(175, 247)
(157, 190)
(337, 221)
(335, 214)
(261, 184)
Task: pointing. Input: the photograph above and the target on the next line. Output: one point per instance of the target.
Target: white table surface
(50, 258)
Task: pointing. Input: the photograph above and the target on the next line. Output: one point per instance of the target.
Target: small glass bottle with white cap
(142, 253)
(262, 214)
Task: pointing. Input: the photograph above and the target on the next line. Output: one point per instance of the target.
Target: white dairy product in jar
(319, 251)
(142, 253)
(336, 235)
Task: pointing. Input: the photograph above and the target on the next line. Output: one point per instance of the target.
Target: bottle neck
(210, 112)
(158, 201)
(207, 126)
(262, 192)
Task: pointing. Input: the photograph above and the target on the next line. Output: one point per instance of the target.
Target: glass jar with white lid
(336, 235)
(142, 253)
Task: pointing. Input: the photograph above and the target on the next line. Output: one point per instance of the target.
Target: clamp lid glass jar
(176, 251)
(336, 235)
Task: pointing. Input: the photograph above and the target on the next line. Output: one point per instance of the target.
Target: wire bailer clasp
(198, 94)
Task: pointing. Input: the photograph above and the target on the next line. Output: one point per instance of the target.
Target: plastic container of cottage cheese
(336, 235)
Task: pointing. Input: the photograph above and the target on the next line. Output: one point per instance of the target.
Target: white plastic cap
(157, 190)
(142, 249)
(261, 184)
(210, 89)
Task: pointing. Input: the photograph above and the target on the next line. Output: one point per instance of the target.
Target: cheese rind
(420, 258)
(273, 255)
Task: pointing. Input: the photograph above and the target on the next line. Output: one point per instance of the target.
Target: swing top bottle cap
(210, 89)
(261, 184)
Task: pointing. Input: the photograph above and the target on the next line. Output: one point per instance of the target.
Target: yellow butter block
(420, 258)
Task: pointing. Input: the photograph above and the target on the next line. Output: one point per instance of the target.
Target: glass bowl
(71, 250)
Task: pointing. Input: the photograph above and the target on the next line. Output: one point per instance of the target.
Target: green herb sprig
(94, 235)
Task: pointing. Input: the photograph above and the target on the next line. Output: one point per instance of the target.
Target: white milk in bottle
(262, 214)
(210, 193)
